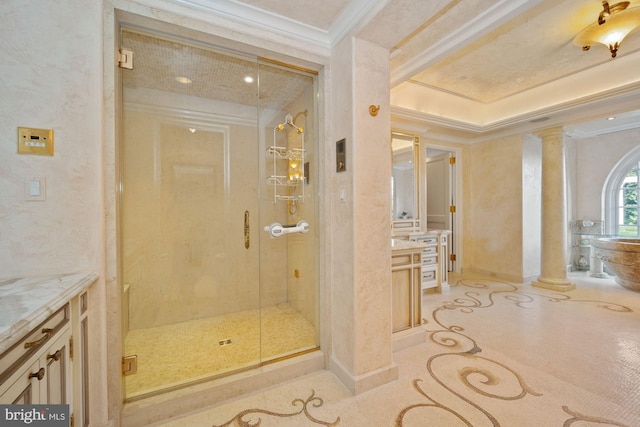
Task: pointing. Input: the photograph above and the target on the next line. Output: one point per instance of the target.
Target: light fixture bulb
(294, 171)
(248, 79)
(611, 29)
(183, 80)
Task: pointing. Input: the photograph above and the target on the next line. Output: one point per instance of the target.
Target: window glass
(627, 212)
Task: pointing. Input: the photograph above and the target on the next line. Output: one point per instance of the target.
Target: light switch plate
(35, 141)
(35, 189)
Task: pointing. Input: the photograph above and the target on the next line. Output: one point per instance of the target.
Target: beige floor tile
(177, 354)
(497, 354)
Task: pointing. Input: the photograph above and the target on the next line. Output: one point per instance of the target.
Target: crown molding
(491, 18)
(571, 113)
(262, 19)
(355, 15)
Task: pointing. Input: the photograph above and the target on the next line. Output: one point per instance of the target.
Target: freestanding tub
(621, 257)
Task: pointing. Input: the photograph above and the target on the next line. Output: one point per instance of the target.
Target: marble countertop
(25, 302)
(402, 245)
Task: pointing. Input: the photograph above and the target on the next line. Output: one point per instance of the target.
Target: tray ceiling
(468, 68)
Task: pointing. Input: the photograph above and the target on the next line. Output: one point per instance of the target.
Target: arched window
(621, 197)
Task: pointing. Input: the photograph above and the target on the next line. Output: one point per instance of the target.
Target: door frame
(456, 195)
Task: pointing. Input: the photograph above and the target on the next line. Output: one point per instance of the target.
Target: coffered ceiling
(468, 70)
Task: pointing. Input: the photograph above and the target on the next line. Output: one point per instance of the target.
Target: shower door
(206, 291)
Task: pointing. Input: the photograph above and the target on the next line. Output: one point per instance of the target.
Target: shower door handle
(247, 230)
(276, 229)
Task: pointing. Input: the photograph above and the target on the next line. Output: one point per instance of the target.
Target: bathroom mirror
(404, 188)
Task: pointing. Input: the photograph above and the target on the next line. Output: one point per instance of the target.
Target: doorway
(441, 197)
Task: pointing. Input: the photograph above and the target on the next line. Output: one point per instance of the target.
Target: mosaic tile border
(452, 337)
(239, 421)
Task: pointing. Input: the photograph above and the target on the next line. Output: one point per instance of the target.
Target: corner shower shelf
(291, 155)
(284, 181)
(284, 153)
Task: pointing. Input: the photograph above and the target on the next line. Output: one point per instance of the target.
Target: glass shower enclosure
(217, 149)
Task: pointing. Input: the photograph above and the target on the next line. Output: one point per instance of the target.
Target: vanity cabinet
(36, 370)
(429, 275)
(47, 363)
(435, 271)
(406, 290)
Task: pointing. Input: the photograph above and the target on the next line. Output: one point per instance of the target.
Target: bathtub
(621, 257)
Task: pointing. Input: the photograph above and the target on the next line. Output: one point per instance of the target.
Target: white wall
(51, 77)
(594, 159)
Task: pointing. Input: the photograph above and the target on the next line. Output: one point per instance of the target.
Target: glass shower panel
(288, 263)
(189, 213)
(206, 290)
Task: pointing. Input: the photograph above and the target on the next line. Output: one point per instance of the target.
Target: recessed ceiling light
(183, 80)
(192, 130)
(611, 118)
(248, 79)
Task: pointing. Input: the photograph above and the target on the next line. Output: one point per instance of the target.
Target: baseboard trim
(358, 384)
(405, 339)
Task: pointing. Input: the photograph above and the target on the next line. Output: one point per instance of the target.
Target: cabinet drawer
(429, 250)
(428, 240)
(408, 259)
(428, 275)
(430, 260)
(14, 357)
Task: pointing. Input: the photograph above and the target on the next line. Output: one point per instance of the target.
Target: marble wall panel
(493, 187)
(183, 258)
(372, 174)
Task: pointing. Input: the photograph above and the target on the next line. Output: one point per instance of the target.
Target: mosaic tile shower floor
(189, 351)
(496, 354)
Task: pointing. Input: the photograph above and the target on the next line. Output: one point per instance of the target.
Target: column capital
(553, 132)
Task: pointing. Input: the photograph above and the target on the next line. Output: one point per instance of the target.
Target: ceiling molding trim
(259, 18)
(355, 16)
(409, 128)
(491, 18)
(582, 134)
(611, 98)
(420, 117)
(598, 105)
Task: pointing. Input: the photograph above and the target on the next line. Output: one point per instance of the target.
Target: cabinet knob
(39, 375)
(55, 356)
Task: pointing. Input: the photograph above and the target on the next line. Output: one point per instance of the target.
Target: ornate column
(553, 268)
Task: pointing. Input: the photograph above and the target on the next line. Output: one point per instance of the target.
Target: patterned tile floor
(497, 354)
(172, 355)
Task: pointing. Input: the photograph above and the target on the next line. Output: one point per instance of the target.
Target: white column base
(553, 284)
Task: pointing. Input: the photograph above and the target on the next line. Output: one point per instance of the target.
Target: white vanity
(43, 342)
(406, 289)
(435, 271)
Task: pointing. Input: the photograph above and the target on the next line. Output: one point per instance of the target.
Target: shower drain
(225, 342)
